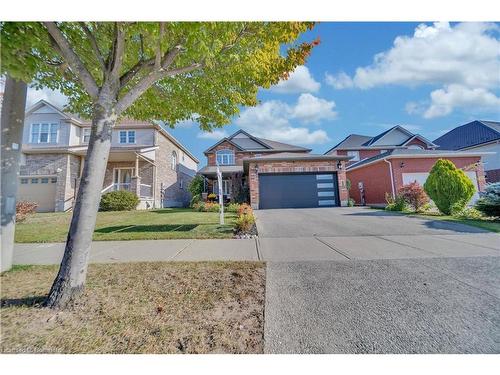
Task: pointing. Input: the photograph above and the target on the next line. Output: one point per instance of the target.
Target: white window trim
(83, 135)
(356, 155)
(127, 132)
(40, 133)
(226, 187)
(225, 152)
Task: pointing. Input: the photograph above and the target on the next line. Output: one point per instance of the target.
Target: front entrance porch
(234, 183)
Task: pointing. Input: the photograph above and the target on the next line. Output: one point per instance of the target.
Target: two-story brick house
(272, 174)
(144, 158)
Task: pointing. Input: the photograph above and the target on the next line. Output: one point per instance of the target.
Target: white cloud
(215, 134)
(463, 59)
(274, 120)
(339, 81)
(52, 96)
(444, 101)
(300, 81)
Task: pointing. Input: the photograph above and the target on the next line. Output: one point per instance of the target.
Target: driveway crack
(332, 247)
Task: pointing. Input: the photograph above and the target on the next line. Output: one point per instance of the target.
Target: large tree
(170, 71)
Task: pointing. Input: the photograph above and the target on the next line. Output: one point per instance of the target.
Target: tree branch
(93, 43)
(72, 59)
(119, 49)
(158, 48)
(147, 81)
(130, 74)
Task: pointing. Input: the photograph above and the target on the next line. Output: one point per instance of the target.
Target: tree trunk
(13, 109)
(70, 280)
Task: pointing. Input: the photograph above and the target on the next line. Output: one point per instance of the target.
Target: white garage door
(422, 177)
(41, 190)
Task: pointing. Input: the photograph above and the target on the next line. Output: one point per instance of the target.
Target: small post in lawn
(221, 196)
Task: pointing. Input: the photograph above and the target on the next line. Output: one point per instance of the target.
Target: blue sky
(366, 77)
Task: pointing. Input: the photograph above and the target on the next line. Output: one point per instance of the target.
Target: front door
(123, 178)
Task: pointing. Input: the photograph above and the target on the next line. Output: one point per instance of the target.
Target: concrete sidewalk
(143, 251)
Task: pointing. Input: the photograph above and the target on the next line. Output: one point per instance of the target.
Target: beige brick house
(144, 158)
(272, 174)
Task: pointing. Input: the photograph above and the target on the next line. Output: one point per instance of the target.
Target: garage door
(298, 190)
(41, 190)
(422, 177)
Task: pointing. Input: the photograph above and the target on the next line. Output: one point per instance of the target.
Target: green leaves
(236, 59)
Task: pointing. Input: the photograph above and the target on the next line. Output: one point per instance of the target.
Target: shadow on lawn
(172, 210)
(36, 301)
(147, 228)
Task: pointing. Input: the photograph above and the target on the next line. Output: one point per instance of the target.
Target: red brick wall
(295, 166)
(493, 175)
(377, 181)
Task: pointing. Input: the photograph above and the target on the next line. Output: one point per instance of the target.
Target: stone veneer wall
(166, 177)
(296, 166)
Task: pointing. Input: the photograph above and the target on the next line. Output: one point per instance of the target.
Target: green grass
(491, 225)
(169, 223)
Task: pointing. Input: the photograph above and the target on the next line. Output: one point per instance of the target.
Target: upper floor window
(174, 161)
(127, 136)
(86, 135)
(44, 133)
(225, 157)
(355, 155)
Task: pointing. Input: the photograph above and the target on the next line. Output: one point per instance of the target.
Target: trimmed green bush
(489, 203)
(195, 199)
(196, 185)
(120, 200)
(448, 186)
(395, 204)
(233, 207)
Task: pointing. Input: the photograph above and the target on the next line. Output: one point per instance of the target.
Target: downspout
(392, 178)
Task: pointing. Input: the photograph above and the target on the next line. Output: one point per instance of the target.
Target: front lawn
(169, 223)
(209, 307)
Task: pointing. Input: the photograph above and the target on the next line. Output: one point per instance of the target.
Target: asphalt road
(437, 305)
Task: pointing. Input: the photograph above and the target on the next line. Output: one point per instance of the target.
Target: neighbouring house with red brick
(478, 136)
(272, 174)
(382, 164)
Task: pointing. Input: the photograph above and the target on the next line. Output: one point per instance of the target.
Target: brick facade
(376, 177)
(295, 166)
(493, 175)
(239, 156)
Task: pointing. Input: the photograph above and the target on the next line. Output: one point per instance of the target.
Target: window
(226, 185)
(34, 180)
(127, 136)
(415, 147)
(225, 157)
(324, 177)
(44, 133)
(383, 151)
(181, 183)
(53, 180)
(45, 180)
(24, 181)
(355, 155)
(86, 135)
(173, 164)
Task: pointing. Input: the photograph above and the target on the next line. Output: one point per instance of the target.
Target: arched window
(225, 157)
(415, 147)
(174, 161)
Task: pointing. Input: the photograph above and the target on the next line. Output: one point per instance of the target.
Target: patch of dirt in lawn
(209, 307)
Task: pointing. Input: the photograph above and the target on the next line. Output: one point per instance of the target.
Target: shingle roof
(471, 134)
(210, 170)
(352, 140)
(297, 156)
(410, 153)
(282, 146)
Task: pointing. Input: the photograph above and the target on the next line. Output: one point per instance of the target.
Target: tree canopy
(173, 71)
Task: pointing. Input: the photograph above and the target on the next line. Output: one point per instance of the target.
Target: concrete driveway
(356, 280)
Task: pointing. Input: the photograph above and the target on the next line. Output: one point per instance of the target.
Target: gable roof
(383, 134)
(471, 134)
(39, 104)
(412, 153)
(352, 140)
(252, 143)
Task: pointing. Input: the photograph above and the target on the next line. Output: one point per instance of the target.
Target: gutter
(392, 178)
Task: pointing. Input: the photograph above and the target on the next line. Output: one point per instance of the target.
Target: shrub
(233, 207)
(350, 202)
(414, 195)
(199, 206)
(211, 207)
(195, 199)
(24, 209)
(460, 212)
(395, 204)
(245, 209)
(448, 186)
(244, 223)
(120, 200)
(348, 184)
(196, 185)
(489, 203)
(211, 196)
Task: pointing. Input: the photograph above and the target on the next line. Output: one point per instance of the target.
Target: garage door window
(24, 181)
(53, 180)
(325, 185)
(326, 194)
(327, 202)
(324, 177)
(34, 180)
(45, 180)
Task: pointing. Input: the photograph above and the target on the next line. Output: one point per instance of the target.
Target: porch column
(136, 179)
